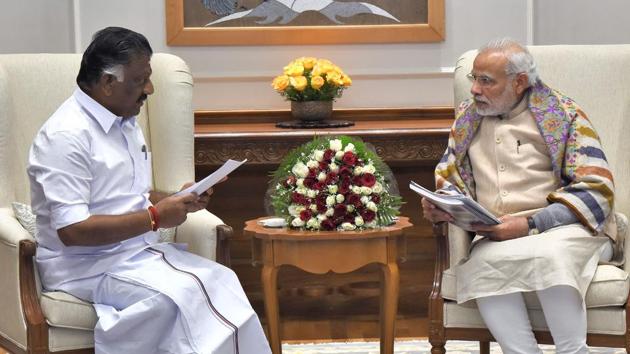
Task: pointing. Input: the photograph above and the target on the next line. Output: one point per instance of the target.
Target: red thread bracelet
(155, 218)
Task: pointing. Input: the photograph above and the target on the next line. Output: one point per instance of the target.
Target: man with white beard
(529, 155)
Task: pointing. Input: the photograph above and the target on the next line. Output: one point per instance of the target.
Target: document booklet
(214, 178)
(464, 209)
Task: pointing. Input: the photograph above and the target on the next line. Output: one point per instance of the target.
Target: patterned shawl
(577, 158)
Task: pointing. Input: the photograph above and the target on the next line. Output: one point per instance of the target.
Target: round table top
(283, 233)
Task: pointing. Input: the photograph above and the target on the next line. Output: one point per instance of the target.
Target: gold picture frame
(179, 35)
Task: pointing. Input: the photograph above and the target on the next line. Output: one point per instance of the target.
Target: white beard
(504, 103)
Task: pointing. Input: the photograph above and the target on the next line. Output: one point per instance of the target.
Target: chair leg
(484, 347)
(437, 348)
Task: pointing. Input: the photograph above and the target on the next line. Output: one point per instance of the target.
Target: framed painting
(277, 22)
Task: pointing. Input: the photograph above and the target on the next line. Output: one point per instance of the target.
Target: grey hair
(519, 61)
(116, 70)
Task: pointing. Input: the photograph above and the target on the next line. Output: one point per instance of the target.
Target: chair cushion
(66, 311)
(609, 287)
(603, 320)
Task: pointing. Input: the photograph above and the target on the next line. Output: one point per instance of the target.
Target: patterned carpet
(410, 347)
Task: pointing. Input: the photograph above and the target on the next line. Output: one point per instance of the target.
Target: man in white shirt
(90, 176)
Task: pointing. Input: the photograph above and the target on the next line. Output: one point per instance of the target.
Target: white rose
(311, 193)
(300, 170)
(348, 226)
(330, 200)
(319, 155)
(371, 206)
(293, 210)
(332, 189)
(321, 217)
(321, 177)
(350, 208)
(349, 147)
(312, 223)
(356, 189)
(340, 198)
(301, 190)
(378, 188)
(333, 167)
(371, 224)
(311, 164)
(330, 212)
(299, 182)
(369, 169)
(335, 145)
(300, 208)
(297, 222)
(364, 200)
(358, 221)
(313, 207)
(366, 190)
(358, 170)
(339, 155)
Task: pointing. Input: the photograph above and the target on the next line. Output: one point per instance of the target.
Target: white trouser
(506, 318)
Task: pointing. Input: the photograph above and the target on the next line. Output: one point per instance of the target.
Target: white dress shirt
(86, 161)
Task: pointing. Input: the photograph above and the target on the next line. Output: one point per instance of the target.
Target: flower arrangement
(311, 79)
(333, 184)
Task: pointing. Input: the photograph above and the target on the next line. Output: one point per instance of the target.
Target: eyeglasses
(482, 80)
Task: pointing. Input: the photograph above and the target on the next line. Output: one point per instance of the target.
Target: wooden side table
(329, 251)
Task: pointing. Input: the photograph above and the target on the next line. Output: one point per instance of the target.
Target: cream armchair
(32, 86)
(598, 79)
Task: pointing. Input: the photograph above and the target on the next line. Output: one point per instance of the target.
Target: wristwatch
(531, 225)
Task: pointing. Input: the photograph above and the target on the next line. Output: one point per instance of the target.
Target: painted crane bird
(281, 12)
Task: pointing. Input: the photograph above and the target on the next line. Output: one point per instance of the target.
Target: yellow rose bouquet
(311, 79)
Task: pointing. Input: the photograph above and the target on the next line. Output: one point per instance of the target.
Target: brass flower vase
(311, 110)
(313, 114)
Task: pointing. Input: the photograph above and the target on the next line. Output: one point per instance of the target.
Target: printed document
(464, 209)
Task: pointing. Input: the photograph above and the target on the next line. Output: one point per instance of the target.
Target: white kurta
(150, 297)
(513, 175)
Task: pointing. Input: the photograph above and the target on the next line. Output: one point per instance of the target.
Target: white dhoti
(165, 300)
(566, 255)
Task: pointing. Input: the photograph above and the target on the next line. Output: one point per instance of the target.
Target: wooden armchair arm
(36, 326)
(224, 234)
(436, 302)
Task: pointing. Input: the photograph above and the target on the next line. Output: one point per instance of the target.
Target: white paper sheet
(212, 179)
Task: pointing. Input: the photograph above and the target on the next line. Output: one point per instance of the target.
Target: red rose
(328, 155)
(306, 214)
(345, 171)
(368, 180)
(354, 199)
(332, 178)
(349, 158)
(312, 173)
(319, 186)
(297, 198)
(356, 180)
(349, 218)
(340, 210)
(376, 198)
(368, 215)
(328, 225)
(323, 165)
(321, 208)
(345, 186)
(309, 182)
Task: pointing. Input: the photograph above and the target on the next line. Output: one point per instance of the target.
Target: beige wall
(394, 75)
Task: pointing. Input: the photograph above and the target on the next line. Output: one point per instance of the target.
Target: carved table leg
(269, 277)
(389, 305)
